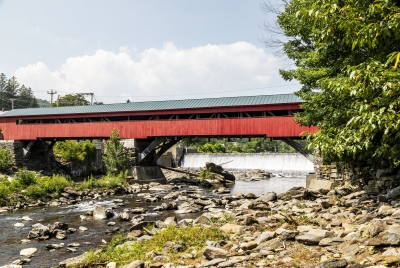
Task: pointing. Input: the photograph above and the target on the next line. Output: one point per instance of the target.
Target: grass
(191, 238)
(32, 186)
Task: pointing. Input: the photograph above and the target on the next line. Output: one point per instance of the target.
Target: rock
(61, 234)
(38, 230)
(69, 190)
(232, 228)
(26, 218)
(312, 237)
(28, 252)
(331, 241)
(248, 246)
(74, 245)
(394, 193)
(125, 216)
(390, 237)
(268, 197)
(19, 225)
(332, 264)
(71, 261)
(213, 262)
(82, 228)
(54, 246)
(264, 236)
(213, 252)
(111, 265)
(135, 264)
(100, 212)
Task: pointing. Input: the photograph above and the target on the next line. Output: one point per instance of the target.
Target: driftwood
(179, 170)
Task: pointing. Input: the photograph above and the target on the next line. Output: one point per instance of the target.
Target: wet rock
(26, 218)
(38, 230)
(74, 245)
(54, 246)
(212, 253)
(61, 234)
(125, 216)
(28, 252)
(100, 212)
(19, 225)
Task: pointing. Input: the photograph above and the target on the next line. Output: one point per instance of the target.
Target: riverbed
(95, 235)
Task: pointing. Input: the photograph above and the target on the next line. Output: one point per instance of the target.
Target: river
(11, 237)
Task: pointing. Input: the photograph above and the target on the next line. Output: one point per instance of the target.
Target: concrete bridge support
(145, 154)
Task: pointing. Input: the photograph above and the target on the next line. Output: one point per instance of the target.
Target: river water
(10, 237)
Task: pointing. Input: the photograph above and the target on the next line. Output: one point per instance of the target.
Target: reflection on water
(275, 184)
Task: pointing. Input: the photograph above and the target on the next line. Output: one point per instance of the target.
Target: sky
(140, 49)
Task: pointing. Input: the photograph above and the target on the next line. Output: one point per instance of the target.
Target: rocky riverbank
(343, 227)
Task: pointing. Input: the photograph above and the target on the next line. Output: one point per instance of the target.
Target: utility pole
(88, 94)
(12, 103)
(51, 92)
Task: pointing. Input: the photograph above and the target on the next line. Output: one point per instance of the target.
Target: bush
(6, 160)
(26, 177)
(116, 159)
(71, 150)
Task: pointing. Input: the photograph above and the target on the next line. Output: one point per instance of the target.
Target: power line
(51, 98)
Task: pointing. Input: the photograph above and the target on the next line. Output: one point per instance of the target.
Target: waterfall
(279, 163)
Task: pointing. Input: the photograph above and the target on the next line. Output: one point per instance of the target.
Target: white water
(280, 163)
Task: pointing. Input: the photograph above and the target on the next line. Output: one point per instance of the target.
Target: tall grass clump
(190, 238)
(105, 182)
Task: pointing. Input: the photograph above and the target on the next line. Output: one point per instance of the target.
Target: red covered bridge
(255, 116)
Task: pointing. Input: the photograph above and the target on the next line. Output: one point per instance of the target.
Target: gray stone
(265, 236)
(331, 241)
(135, 264)
(390, 237)
(212, 253)
(28, 252)
(228, 263)
(395, 192)
(100, 212)
(268, 197)
(332, 264)
(312, 237)
(248, 246)
(213, 262)
(38, 230)
(55, 246)
(71, 261)
(125, 216)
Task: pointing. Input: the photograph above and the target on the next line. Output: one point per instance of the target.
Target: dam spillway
(291, 164)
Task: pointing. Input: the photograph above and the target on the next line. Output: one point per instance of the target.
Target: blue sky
(141, 50)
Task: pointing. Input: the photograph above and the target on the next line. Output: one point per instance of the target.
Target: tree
(71, 100)
(3, 84)
(347, 54)
(116, 159)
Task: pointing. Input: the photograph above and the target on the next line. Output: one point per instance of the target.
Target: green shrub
(54, 184)
(206, 174)
(4, 193)
(116, 159)
(26, 177)
(71, 150)
(6, 160)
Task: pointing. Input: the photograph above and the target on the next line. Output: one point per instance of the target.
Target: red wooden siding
(274, 127)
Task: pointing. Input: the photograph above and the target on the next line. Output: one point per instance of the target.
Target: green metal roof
(158, 105)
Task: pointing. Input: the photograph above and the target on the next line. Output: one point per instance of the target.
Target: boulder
(27, 252)
(135, 264)
(100, 212)
(38, 230)
(213, 252)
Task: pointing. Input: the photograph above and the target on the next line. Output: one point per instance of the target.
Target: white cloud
(159, 72)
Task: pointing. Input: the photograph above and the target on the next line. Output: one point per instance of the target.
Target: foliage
(191, 238)
(71, 150)
(12, 89)
(206, 174)
(71, 100)
(6, 160)
(346, 55)
(116, 159)
(105, 182)
(26, 177)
